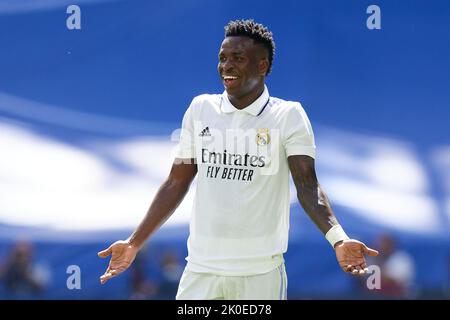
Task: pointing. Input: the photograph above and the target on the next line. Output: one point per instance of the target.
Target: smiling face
(242, 66)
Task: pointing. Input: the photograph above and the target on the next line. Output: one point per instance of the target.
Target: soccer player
(241, 144)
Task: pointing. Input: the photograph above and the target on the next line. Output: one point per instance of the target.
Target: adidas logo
(205, 133)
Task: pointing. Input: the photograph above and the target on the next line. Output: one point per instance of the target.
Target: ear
(263, 66)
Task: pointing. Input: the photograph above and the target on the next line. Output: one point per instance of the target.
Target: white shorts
(205, 286)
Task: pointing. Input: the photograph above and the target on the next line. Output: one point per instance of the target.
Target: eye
(222, 58)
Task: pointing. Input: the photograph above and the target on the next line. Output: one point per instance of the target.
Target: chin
(236, 92)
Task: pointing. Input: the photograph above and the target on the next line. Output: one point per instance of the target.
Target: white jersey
(240, 217)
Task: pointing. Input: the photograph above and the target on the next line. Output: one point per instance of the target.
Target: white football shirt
(240, 216)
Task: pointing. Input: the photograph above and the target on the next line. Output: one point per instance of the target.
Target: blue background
(145, 61)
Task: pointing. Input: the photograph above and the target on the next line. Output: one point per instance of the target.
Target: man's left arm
(349, 252)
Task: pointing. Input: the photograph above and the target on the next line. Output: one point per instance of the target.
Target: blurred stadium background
(88, 119)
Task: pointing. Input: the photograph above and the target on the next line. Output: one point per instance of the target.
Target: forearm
(310, 194)
(316, 204)
(167, 199)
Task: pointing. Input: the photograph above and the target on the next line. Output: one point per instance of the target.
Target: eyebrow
(233, 53)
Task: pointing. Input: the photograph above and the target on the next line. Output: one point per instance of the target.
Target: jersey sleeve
(298, 134)
(186, 146)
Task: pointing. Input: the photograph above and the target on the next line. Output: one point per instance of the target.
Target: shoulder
(204, 103)
(286, 108)
(206, 99)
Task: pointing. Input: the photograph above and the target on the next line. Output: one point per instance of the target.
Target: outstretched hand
(122, 255)
(350, 256)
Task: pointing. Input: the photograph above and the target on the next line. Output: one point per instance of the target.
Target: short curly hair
(256, 31)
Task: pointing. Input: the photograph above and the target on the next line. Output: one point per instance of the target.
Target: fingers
(365, 268)
(108, 275)
(371, 252)
(362, 270)
(105, 253)
(356, 270)
(348, 268)
(352, 261)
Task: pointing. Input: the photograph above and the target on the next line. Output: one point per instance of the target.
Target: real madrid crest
(263, 137)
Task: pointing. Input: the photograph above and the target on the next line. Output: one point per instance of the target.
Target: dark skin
(167, 199)
(241, 57)
(247, 63)
(312, 197)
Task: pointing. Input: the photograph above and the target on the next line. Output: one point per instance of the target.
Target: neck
(247, 99)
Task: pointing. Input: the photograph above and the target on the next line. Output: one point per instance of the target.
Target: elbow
(302, 200)
(176, 185)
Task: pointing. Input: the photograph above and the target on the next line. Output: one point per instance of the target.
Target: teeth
(229, 78)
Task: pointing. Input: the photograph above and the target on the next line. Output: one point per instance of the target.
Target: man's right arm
(167, 199)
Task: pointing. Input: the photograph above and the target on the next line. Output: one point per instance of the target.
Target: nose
(226, 66)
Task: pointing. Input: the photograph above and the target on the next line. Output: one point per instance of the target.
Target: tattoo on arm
(310, 194)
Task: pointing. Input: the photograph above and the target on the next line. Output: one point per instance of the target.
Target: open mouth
(229, 80)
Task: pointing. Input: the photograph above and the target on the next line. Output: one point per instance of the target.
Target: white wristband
(336, 234)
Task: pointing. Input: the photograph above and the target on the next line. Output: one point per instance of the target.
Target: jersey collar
(255, 108)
